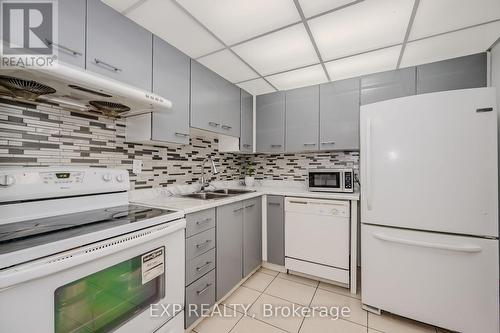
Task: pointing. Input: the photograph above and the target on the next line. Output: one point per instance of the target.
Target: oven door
(104, 287)
(328, 181)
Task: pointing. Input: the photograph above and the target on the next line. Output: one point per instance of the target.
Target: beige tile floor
(270, 287)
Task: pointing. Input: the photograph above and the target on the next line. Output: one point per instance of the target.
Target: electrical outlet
(137, 167)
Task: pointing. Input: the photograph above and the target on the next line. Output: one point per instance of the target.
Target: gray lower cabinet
(270, 120)
(252, 235)
(71, 40)
(302, 119)
(246, 137)
(229, 247)
(275, 230)
(388, 85)
(458, 73)
(200, 262)
(117, 47)
(339, 115)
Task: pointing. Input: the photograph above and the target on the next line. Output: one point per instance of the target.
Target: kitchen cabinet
(458, 73)
(275, 230)
(199, 293)
(229, 228)
(252, 235)
(71, 33)
(302, 119)
(388, 85)
(339, 115)
(215, 102)
(246, 137)
(270, 122)
(117, 47)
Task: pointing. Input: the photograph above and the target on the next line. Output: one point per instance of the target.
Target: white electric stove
(76, 256)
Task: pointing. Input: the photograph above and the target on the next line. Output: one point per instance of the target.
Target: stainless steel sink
(232, 191)
(206, 195)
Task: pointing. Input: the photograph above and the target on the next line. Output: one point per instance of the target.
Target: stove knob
(120, 178)
(107, 177)
(7, 180)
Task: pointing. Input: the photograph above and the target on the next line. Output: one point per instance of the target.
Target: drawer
(200, 292)
(199, 266)
(199, 221)
(200, 243)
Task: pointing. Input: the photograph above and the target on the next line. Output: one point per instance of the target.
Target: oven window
(325, 180)
(102, 301)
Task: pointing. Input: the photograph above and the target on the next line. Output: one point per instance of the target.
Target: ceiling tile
(227, 65)
(298, 78)
(455, 44)
(435, 17)
(365, 26)
(256, 87)
(166, 20)
(282, 50)
(362, 64)
(237, 20)
(120, 5)
(311, 8)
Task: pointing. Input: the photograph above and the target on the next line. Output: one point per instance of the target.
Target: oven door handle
(67, 260)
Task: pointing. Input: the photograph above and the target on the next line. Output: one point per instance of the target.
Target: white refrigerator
(429, 209)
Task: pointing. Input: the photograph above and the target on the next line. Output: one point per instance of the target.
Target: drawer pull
(204, 289)
(226, 127)
(250, 206)
(106, 65)
(183, 135)
(205, 243)
(64, 48)
(204, 221)
(276, 146)
(448, 247)
(274, 204)
(213, 124)
(246, 145)
(484, 110)
(237, 210)
(309, 144)
(298, 202)
(328, 142)
(203, 266)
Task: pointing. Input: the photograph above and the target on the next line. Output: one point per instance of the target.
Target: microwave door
(326, 181)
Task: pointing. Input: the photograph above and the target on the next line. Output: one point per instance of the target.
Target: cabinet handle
(205, 243)
(274, 203)
(309, 144)
(439, 246)
(204, 289)
(484, 110)
(204, 221)
(226, 127)
(250, 206)
(328, 142)
(64, 48)
(183, 135)
(203, 266)
(246, 145)
(213, 124)
(276, 146)
(237, 210)
(298, 202)
(106, 65)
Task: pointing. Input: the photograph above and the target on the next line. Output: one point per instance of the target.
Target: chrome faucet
(203, 181)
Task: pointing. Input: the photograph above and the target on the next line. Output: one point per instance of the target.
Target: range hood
(78, 89)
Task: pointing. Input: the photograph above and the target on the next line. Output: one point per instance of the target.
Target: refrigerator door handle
(447, 247)
(368, 157)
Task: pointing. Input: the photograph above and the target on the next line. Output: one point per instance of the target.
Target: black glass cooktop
(20, 235)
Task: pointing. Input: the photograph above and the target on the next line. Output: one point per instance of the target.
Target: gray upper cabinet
(117, 47)
(71, 43)
(229, 238)
(275, 230)
(458, 73)
(252, 235)
(229, 108)
(270, 122)
(171, 70)
(302, 119)
(388, 85)
(339, 115)
(246, 137)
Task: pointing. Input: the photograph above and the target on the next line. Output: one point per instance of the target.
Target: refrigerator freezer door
(429, 162)
(445, 280)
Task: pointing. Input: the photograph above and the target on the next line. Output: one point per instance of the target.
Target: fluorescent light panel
(227, 65)
(298, 78)
(314, 7)
(256, 87)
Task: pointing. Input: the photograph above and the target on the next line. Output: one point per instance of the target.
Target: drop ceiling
(269, 45)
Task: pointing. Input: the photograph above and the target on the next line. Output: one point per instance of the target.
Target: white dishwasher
(317, 238)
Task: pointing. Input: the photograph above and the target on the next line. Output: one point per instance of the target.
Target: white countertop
(161, 199)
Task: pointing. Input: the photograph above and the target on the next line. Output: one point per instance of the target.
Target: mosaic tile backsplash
(51, 136)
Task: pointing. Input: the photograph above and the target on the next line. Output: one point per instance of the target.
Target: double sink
(217, 194)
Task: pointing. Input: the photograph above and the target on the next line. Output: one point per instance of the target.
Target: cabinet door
(71, 44)
(171, 74)
(302, 119)
(252, 235)
(388, 85)
(204, 98)
(271, 122)
(230, 108)
(339, 115)
(459, 73)
(117, 47)
(229, 247)
(275, 230)
(246, 137)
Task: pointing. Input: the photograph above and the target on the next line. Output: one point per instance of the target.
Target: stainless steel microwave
(331, 180)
